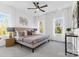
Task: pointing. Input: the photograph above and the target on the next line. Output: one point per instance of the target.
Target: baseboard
(60, 41)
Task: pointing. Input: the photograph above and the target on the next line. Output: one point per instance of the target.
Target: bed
(32, 41)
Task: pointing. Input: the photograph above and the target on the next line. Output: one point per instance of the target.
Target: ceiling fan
(36, 4)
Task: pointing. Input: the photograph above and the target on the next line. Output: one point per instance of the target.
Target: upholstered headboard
(23, 29)
(26, 30)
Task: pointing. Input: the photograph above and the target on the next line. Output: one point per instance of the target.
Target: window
(41, 27)
(3, 23)
(59, 25)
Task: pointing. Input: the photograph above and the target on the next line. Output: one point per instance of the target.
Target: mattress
(33, 39)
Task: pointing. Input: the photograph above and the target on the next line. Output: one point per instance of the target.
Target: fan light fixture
(37, 9)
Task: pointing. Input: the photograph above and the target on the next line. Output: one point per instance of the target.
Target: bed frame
(33, 47)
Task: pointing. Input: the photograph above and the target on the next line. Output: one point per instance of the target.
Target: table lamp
(11, 30)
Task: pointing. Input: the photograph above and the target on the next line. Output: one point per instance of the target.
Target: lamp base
(10, 35)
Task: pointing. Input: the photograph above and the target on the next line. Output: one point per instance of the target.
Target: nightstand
(10, 42)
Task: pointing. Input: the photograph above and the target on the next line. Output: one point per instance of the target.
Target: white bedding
(32, 39)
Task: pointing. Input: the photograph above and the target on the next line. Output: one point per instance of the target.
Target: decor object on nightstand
(68, 30)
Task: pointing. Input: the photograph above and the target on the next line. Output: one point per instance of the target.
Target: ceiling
(52, 5)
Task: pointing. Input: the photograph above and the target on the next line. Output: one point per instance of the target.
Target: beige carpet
(50, 49)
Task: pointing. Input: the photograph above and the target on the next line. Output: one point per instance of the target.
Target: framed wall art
(23, 21)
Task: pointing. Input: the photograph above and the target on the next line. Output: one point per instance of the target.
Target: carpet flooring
(49, 49)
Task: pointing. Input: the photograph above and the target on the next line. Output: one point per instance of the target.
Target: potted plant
(68, 30)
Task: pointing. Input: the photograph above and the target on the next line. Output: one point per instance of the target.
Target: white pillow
(25, 32)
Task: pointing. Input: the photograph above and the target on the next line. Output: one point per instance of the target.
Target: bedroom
(16, 17)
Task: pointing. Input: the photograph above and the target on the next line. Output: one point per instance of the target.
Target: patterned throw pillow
(29, 32)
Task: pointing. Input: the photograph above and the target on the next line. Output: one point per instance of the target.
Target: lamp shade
(11, 29)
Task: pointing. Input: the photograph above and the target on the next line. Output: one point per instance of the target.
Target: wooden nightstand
(10, 42)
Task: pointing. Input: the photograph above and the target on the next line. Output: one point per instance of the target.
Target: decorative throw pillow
(21, 34)
(25, 33)
(29, 33)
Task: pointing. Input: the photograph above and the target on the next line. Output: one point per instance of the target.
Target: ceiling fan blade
(35, 4)
(31, 8)
(41, 10)
(44, 6)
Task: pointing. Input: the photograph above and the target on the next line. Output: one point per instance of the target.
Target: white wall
(25, 15)
(66, 13)
(7, 10)
(14, 16)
